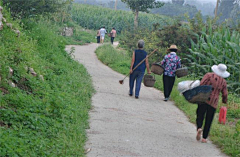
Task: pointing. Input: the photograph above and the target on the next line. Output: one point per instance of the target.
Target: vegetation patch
(45, 95)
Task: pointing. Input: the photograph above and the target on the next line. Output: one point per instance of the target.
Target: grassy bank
(44, 114)
(227, 137)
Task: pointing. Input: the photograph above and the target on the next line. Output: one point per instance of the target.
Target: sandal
(199, 133)
(204, 140)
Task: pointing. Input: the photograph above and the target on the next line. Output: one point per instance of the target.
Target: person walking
(98, 35)
(171, 62)
(137, 74)
(207, 110)
(102, 34)
(113, 34)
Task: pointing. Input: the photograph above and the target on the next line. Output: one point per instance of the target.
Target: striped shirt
(219, 85)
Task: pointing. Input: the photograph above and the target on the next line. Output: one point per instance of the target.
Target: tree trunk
(136, 19)
(116, 4)
(216, 9)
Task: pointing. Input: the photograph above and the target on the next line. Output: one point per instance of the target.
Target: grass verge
(227, 137)
(41, 117)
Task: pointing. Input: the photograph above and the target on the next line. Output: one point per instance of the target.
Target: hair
(113, 28)
(140, 44)
(173, 50)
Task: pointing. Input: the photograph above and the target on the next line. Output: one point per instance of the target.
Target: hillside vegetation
(45, 95)
(94, 17)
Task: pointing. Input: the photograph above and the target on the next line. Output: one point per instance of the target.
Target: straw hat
(172, 47)
(221, 70)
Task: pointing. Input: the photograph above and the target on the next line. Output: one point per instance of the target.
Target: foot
(136, 97)
(199, 133)
(130, 94)
(165, 99)
(204, 140)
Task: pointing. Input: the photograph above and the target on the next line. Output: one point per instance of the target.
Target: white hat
(221, 70)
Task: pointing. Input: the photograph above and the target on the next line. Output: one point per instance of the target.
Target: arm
(133, 59)
(205, 80)
(147, 65)
(179, 63)
(224, 93)
(163, 61)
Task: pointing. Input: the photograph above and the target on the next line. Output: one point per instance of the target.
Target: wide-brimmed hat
(221, 70)
(172, 47)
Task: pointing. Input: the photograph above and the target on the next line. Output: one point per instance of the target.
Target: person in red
(113, 34)
(219, 84)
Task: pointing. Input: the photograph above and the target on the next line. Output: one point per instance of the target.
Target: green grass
(227, 137)
(41, 118)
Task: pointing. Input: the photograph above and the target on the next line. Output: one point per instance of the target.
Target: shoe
(130, 94)
(165, 99)
(136, 97)
(199, 133)
(204, 140)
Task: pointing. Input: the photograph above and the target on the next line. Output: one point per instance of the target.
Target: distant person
(207, 110)
(171, 63)
(98, 35)
(137, 74)
(102, 34)
(113, 34)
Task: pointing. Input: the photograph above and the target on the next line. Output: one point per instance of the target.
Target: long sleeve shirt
(171, 63)
(218, 85)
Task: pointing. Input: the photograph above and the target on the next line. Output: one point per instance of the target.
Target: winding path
(121, 125)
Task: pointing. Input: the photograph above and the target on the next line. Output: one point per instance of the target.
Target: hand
(131, 71)
(149, 72)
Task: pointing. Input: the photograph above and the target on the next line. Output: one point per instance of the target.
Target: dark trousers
(138, 76)
(98, 39)
(168, 83)
(112, 39)
(205, 111)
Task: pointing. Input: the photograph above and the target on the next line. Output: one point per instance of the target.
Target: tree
(30, 8)
(179, 2)
(225, 8)
(141, 5)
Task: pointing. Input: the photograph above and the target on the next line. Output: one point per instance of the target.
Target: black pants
(168, 83)
(98, 39)
(205, 111)
(112, 39)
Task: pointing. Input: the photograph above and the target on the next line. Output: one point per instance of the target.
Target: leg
(98, 39)
(165, 85)
(208, 121)
(138, 83)
(201, 111)
(112, 39)
(131, 82)
(171, 81)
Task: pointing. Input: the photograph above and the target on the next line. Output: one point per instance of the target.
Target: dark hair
(173, 50)
(113, 28)
(140, 44)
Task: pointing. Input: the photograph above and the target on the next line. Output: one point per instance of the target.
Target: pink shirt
(114, 33)
(219, 85)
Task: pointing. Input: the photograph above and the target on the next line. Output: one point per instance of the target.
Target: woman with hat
(171, 63)
(137, 74)
(218, 83)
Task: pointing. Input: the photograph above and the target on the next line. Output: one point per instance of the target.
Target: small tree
(141, 5)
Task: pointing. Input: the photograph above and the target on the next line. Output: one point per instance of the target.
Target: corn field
(213, 47)
(93, 17)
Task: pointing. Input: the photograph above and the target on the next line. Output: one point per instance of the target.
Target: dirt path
(124, 126)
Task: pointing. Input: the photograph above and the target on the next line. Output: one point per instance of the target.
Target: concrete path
(121, 125)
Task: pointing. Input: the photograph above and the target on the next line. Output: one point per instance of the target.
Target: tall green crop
(214, 47)
(93, 17)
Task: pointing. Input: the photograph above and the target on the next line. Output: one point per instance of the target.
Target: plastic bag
(186, 85)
